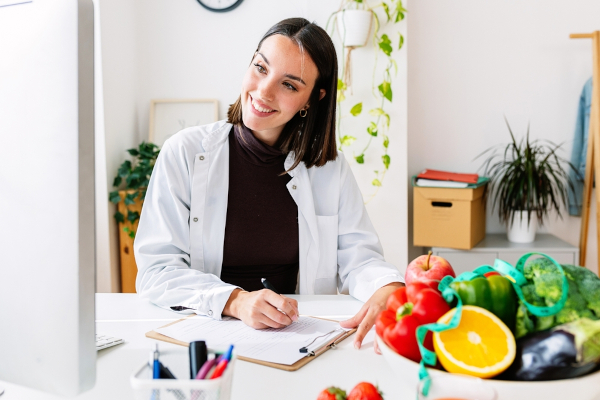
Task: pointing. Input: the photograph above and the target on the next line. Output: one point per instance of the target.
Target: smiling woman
(263, 195)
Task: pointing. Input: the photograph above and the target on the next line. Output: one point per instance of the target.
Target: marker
(206, 367)
(198, 356)
(222, 364)
(156, 365)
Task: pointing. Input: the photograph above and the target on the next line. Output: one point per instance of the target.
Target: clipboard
(294, 367)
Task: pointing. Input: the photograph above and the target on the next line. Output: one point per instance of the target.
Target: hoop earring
(305, 112)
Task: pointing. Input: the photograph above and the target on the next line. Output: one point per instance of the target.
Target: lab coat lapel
(301, 191)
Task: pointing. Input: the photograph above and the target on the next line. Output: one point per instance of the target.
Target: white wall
(177, 49)
(472, 62)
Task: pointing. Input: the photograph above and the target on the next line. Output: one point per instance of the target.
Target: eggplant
(566, 351)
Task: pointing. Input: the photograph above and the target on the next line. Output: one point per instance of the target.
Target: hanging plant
(353, 22)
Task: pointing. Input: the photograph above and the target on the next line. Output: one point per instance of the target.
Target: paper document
(441, 184)
(280, 346)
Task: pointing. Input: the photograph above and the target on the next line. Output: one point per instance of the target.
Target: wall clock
(220, 5)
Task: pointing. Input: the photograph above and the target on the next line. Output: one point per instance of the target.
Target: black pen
(268, 285)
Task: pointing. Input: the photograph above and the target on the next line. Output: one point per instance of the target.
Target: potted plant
(528, 180)
(353, 22)
(133, 178)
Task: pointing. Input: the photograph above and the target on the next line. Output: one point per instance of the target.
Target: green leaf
(341, 85)
(124, 169)
(385, 44)
(386, 161)
(386, 8)
(114, 197)
(360, 159)
(401, 41)
(133, 152)
(372, 129)
(117, 181)
(347, 140)
(386, 90)
(132, 216)
(386, 141)
(130, 198)
(387, 119)
(376, 182)
(119, 217)
(376, 112)
(356, 110)
(340, 96)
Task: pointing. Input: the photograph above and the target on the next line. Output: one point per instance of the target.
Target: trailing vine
(382, 89)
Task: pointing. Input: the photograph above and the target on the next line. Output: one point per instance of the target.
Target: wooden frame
(168, 116)
(592, 166)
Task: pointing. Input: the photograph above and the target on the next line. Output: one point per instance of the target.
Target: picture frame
(169, 116)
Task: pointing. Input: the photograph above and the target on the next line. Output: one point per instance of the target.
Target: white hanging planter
(354, 27)
(520, 231)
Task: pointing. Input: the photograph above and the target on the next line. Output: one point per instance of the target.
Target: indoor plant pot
(528, 180)
(354, 26)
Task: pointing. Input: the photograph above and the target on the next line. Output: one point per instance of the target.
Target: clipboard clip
(331, 345)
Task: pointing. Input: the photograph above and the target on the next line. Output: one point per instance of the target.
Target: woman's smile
(260, 109)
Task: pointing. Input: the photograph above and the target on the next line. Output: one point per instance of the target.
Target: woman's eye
(260, 68)
(289, 86)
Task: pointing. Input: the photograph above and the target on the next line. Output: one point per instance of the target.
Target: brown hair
(312, 138)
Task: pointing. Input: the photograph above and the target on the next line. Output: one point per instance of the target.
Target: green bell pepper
(494, 293)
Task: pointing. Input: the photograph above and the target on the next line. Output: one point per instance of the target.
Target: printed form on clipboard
(287, 346)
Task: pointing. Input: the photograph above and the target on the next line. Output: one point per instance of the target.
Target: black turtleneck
(261, 230)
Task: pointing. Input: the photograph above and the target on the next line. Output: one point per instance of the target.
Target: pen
(268, 285)
(156, 365)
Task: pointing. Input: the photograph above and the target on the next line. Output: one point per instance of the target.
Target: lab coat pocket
(328, 246)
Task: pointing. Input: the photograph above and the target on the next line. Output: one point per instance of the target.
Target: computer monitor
(47, 255)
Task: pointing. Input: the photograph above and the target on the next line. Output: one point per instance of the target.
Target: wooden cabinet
(128, 265)
(497, 246)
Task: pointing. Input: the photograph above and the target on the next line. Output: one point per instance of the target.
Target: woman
(263, 195)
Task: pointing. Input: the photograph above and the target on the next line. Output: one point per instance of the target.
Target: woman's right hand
(261, 309)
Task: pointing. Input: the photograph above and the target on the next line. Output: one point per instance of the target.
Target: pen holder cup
(146, 388)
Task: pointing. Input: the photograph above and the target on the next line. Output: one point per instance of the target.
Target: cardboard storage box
(453, 218)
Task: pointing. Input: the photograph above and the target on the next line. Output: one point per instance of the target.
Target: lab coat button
(210, 313)
(201, 158)
(294, 187)
(195, 219)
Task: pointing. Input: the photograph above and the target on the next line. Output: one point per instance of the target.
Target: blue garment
(579, 154)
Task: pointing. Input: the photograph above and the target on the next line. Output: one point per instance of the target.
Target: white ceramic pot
(354, 27)
(584, 388)
(520, 231)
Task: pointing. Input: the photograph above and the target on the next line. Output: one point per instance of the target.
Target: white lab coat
(179, 241)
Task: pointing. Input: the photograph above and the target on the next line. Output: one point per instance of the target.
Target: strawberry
(365, 391)
(332, 393)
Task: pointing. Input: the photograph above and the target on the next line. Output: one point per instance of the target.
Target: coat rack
(592, 166)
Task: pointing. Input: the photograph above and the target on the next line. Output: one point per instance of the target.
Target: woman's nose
(266, 89)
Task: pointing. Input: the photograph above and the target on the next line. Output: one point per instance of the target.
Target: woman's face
(276, 86)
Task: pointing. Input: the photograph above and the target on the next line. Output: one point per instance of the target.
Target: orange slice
(481, 345)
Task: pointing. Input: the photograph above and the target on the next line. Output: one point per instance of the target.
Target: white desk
(127, 317)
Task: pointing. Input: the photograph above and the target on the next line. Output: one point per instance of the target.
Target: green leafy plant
(527, 176)
(134, 177)
(393, 12)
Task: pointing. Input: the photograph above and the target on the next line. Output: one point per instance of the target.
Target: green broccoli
(545, 289)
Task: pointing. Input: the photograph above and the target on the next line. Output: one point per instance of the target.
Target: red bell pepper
(407, 309)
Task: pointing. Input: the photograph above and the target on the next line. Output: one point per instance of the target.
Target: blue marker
(156, 365)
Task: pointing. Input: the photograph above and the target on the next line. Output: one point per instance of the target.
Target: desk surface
(127, 317)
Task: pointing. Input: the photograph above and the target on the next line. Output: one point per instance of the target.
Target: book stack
(444, 179)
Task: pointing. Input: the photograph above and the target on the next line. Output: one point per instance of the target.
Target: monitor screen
(47, 227)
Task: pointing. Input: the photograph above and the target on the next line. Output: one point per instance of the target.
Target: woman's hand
(365, 318)
(261, 309)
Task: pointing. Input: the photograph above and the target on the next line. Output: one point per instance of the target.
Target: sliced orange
(481, 345)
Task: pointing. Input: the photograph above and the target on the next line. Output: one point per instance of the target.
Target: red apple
(428, 268)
